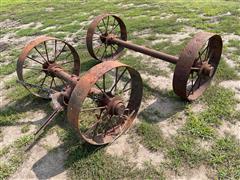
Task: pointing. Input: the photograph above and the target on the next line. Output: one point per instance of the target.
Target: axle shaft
(60, 73)
(144, 50)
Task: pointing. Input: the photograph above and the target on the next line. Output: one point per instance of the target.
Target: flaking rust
(101, 104)
(195, 66)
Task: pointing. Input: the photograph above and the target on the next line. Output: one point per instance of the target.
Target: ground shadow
(165, 105)
(27, 103)
(73, 149)
(50, 165)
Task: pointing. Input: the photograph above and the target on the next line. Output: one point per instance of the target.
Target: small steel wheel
(105, 102)
(37, 56)
(197, 65)
(103, 26)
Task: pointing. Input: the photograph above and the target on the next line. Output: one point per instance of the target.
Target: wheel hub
(207, 69)
(103, 38)
(47, 68)
(116, 106)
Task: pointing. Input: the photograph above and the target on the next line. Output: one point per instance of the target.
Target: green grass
(220, 105)
(9, 116)
(197, 127)
(10, 67)
(7, 69)
(139, 64)
(182, 151)
(29, 32)
(225, 72)
(151, 136)
(25, 128)
(225, 158)
(86, 161)
(15, 156)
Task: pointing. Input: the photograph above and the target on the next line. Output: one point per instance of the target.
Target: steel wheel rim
(187, 61)
(44, 57)
(81, 92)
(115, 52)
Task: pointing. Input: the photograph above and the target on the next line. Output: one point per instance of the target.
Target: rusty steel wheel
(197, 65)
(102, 26)
(105, 102)
(37, 56)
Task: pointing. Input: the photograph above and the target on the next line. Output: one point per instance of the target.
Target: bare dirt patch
(134, 152)
(234, 86)
(197, 107)
(7, 24)
(158, 82)
(227, 37)
(42, 163)
(170, 126)
(12, 133)
(200, 173)
(3, 98)
(230, 129)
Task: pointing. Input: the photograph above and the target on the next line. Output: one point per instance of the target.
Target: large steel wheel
(37, 56)
(102, 26)
(105, 102)
(197, 65)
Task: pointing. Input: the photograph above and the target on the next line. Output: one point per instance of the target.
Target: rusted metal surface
(112, 91)
(113, 105)
(200, 58)
(99, 49)
(44, 61)
(142, 49)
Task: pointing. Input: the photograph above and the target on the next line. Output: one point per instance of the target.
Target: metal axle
(144, 50)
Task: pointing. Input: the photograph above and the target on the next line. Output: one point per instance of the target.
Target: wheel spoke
(116, 76)
(104, 25)
(96, 124)
(201, 53)
(192, 85)
(114, 47)
(40, 54)
(51, 82)
(34, 60)
(98, 48)
(60, 52)
(54, 82)
(113, 24)
(126, 84)
(66, 62)
(104, 88)
(99, 30)
(127, 90)
(43, 80)
(118, 79)
(45, 45)
(109, 120)
(92, 109)
(42, 83)
(200, 79)
(55, 49)
(33, 68)
(104, 51)
(207, 53)
(101, 90)
(114, 27)
(107, 24)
